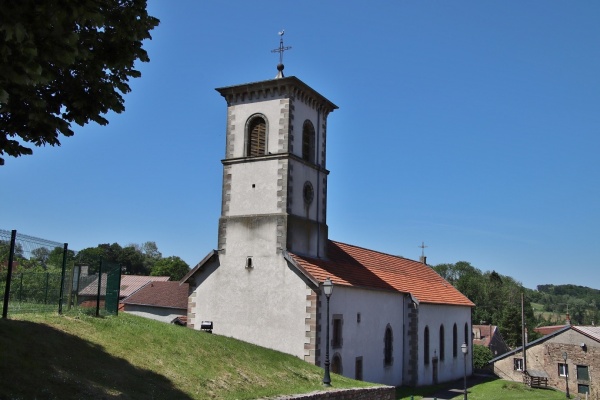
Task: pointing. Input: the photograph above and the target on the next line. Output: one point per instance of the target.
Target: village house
(566, 358)
(389, 319)
(489, 336)
(163, 301)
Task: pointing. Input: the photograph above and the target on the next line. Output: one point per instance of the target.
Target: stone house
(569, 357)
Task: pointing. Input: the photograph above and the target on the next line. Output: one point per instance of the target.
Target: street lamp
(465, 350)
(327, 290)
(564, 354)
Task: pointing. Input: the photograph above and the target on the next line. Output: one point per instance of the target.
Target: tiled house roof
(129, 284)
(483, 334)
(349, 265)
(593, 332)
(160, 294)
(546, 330)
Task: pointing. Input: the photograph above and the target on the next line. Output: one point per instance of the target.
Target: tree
(481, 356)
(63, 62)
(172, 266)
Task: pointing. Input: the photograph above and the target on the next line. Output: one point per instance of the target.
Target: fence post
(21, 288)
(62, 278)
(99, 287)
(11, 254)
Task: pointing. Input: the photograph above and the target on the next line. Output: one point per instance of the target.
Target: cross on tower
(280, 50)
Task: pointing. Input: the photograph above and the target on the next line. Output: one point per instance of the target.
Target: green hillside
(128, 357)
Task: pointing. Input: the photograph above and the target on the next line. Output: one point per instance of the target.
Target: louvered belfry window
(257, 137)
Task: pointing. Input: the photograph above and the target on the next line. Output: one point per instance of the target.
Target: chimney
(423, 259)
(568, 321)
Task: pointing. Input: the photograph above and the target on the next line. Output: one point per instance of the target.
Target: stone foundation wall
(372, 393)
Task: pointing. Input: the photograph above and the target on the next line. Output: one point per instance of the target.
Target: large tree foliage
(63, 62)
(497, 298)
(172, 266)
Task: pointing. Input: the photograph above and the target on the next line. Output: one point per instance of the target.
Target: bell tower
(274, 194)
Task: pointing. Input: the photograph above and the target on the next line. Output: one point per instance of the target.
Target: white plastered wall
(264, 305)
(366, 338)
(451, 368)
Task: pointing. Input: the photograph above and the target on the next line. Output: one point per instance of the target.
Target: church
(389, 319)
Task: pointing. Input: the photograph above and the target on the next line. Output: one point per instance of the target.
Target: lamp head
(464, 348)
(327, 287)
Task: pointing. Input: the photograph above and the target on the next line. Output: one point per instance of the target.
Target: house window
(454, 341)
(581, 388)
(256, 143)
(358, 318)
(518, 364)
(308, 142)
(358, 369)
(387, 346)
(336, 364)
(583, 373)
(426, 345)
(563, 369)
(337, 339)
(442, 343)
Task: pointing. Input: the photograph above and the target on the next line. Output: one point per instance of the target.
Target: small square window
(563, 369)
(518, 364)
(583, 389)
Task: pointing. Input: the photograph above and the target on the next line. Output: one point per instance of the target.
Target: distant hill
(580, 302)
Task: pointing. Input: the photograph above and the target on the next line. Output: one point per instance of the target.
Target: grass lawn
(492, 389)
(499, 389)
(127, 357)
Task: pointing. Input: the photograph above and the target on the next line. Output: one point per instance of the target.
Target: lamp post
(327, 290)
(565, 356)
(465, 350)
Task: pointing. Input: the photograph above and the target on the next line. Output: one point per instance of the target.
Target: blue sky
(472, 126)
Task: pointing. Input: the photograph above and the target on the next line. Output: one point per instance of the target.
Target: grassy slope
(77, 356)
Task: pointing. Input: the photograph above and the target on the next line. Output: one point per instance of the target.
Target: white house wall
(366, 338)
(265, 305)
(451, 368)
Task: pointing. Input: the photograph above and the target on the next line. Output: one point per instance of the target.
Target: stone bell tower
(274, 194)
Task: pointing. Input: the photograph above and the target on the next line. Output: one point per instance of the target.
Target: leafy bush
(481, 356)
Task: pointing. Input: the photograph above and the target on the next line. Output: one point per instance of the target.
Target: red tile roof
(349, 265)
(546, 330)
(485, 334)
(161, 294)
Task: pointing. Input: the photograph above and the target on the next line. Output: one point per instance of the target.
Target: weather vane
(280, 50)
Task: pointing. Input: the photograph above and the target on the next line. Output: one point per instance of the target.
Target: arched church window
(466, 333)
(387, 346)
(426, 345)
(336, 364)
(442, 342)
(454, 341)
(256, 137)
(308, 142)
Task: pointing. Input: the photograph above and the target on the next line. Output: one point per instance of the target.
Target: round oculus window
(308, 192)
